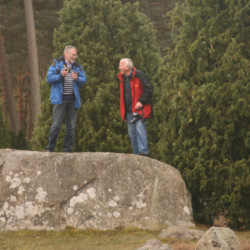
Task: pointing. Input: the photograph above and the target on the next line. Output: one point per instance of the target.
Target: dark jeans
(57, 119)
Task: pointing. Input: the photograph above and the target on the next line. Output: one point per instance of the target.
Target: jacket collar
(62, 58)
(120, 76)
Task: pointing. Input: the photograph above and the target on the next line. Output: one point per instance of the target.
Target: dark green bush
(204, 110)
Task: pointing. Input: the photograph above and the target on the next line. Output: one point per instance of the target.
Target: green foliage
(19, 141)
(157, 12)
(40, 135)
(41, 132)
(4, 132)
(13, 27)
(8, 137)
(104, 32)
(201, 123)
(14, 31)
(204, 110)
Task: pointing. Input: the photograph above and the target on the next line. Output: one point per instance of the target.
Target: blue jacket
(55, 79)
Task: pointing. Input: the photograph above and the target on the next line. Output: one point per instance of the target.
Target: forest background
(196, 54)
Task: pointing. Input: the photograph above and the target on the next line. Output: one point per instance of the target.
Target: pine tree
(104, 32)
(13, 27)
(33, 62)
(8, 87)
(204, 110)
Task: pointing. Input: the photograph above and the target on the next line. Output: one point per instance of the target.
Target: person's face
(124, 69)
(71, 56)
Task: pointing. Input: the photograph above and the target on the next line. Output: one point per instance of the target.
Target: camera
(68, 69)
(136, 117)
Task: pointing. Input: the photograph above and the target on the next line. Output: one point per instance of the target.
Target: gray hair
(128, 62)
(68, 48)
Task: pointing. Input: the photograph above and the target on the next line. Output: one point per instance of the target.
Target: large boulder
(218, 238)
(42, 190)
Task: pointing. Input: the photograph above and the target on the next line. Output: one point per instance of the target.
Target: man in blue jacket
(65, 76)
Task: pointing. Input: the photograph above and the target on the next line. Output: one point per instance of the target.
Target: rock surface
(155, 245)
(180, 232)
(218, 238)
(42, 190)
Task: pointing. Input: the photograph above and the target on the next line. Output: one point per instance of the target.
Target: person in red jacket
(135, 104)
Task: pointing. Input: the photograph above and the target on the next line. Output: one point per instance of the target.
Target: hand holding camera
(136, 117)
(65, 71)
(74, 75)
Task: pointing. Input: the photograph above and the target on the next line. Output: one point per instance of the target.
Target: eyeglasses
(72, 54)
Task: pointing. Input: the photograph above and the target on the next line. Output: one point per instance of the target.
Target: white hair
(68, 48)
(128, 62)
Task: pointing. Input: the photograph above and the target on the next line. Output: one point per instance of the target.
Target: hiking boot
(144, 154)
(46, 150)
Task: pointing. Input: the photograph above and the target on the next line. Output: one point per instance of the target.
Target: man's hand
(64, 72)
(138, 105)
(74, 75)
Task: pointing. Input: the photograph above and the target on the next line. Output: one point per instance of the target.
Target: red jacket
(141, 90)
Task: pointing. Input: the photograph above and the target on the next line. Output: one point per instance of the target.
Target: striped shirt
(68, 84)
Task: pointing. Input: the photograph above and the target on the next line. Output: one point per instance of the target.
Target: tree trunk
(33, 62)
(8, 88)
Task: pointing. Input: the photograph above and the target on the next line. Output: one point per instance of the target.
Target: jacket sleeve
(54, 75)
(147, 94)
(81, 80)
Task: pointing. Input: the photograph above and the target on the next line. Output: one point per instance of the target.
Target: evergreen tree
(157, 12)
(204, 110)
(104, 32)
(9, 139)
(44, 120)
(4, 132)
(19, 141)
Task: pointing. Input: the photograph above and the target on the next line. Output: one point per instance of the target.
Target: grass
(122, 239)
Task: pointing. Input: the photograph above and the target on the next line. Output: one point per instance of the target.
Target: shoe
(144, 154)
(46, 150)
